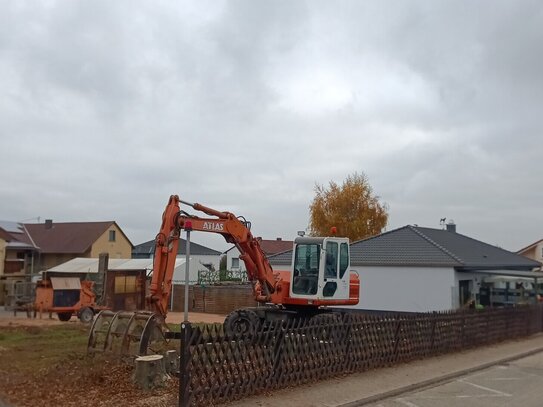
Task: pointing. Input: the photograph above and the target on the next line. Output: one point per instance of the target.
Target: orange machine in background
(67, 296)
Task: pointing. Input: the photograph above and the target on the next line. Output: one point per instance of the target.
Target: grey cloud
(109, 108)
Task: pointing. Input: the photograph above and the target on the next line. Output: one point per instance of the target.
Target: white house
(417, 269)
(269, 247)
(202, 259)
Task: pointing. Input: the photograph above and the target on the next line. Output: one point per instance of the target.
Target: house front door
(464, 292)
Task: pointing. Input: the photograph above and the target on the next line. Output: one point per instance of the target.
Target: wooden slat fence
(223, 369)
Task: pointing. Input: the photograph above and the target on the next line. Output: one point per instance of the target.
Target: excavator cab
(320, 269)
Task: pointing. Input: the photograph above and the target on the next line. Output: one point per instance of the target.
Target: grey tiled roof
(419, 246)
(147, 249)
(405, 246)
(476, 254)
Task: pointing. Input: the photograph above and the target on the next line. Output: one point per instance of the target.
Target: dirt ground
(44, 362)
(21, 319)
(8, 319)
(177, 318)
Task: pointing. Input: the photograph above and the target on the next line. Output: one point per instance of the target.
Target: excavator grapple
(127, 334)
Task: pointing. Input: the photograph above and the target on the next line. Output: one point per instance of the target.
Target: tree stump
(171, 362)
(150, 372)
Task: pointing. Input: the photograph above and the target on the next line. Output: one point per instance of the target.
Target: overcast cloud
(107, 108)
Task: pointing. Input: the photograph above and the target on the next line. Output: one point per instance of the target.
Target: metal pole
(184, 365)
(187, 278)
(171, 296)
(186, 333)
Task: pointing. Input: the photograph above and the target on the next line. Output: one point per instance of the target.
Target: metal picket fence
(217, 369)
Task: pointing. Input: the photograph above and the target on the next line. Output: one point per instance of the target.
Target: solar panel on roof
(11, 227)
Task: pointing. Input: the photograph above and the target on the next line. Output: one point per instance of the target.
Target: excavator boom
(234, 230)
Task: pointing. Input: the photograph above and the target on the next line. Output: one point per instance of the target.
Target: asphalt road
(515, 384)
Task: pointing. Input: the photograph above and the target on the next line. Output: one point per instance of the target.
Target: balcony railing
(14, 267)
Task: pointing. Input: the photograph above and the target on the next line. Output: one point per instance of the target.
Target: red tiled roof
(5, 235)
(275, 246)
(69, 237)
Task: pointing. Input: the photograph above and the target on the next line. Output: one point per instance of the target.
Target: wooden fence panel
(299, 351)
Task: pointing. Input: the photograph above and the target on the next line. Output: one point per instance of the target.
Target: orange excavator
(319, 278)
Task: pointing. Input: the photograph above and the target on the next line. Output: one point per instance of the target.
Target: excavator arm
(141, 332)
(235, 230)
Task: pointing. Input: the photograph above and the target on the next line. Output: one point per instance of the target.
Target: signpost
(186, 333)
(188, 228)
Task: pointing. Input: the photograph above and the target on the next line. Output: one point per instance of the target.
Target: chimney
(103, 260)
(279, 239)
(48, 223)
(451, 226)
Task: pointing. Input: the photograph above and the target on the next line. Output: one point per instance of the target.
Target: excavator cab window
(343, 259)
(306, 269)
(330, 270)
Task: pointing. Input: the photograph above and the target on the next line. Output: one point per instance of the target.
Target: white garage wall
(195, 265)
(407, 289)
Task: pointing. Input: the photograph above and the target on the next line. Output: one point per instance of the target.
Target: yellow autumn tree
(352, 208)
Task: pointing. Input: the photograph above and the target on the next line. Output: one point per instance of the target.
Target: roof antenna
(442, 223)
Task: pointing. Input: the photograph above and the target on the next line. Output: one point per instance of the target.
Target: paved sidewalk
(362, 388)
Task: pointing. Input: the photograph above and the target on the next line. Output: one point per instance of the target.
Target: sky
(108, 108)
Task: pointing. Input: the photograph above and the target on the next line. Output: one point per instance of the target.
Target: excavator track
(126, 334)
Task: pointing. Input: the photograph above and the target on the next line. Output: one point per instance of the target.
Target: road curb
(436, 380)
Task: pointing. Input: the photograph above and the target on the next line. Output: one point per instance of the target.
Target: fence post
(463, 328)
(528, 317)
(184, 365)
(506, 315)
(396, 339)
(347, 339)
(529, 320)
(432, 340)
(489, 325)
(278, 350)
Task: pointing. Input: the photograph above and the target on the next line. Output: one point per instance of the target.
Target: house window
(235, 262)
(125, 284)
(111, 235)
